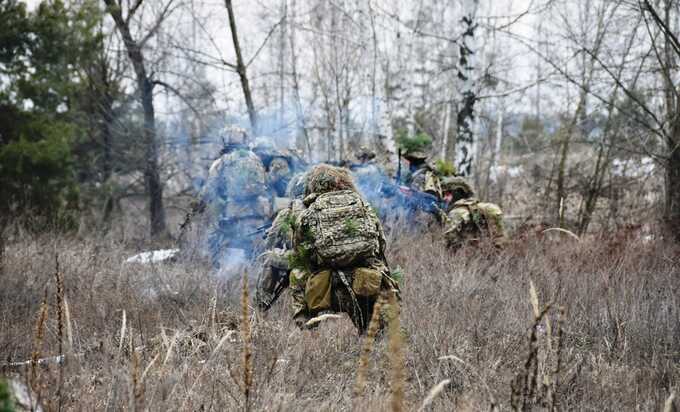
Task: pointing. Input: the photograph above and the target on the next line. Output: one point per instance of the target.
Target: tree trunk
(241, 69)
(152, 179)
(151, 171)
(446, 124)
(465, 116)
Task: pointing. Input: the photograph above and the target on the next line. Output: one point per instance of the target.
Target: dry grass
(172, 337)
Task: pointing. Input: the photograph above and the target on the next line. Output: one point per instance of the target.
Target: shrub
(420, 141)
(38, 175)
(445, 168)
(5, 398)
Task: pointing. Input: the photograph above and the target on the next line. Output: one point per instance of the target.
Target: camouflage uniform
(273, 263)
(339, 251)
(236, 200)
(369, 177)
(278, 164)
(422, 176)
(469, 220)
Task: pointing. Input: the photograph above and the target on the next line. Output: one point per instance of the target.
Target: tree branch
(265, 41)
(662, 25)
(178, 94)
(154, 29)
(133, 10)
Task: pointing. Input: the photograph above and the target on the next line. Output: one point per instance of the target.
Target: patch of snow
(153, 256)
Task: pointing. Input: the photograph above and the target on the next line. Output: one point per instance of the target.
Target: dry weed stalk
(396, 356)
(247, 344)
(436, 390)
(669, 405)
(553, 379)
(202, 371)
(137, 381)
(493, 405)
(69, 329)
(121, 339)
(59, 280)
(526, 391)
(373, 327)
(38, 342)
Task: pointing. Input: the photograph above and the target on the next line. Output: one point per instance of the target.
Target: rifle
(197, 208)
(260, 229)
(281, 285)
(413, 199)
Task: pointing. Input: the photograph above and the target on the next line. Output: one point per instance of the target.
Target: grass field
(171, 336)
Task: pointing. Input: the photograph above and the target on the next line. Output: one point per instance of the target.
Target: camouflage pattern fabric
(274, 262)
(296, 186)
(426, 180)
(338, 239)
(236, 201)
(325, 178)
(278, 175)
(338, 229)
(332, 290)
(236, 175)
(470, 220)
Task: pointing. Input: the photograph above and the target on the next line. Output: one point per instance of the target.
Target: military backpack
(340, 230)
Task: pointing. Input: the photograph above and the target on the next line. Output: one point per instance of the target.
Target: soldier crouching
(469, 221)
(338, 258)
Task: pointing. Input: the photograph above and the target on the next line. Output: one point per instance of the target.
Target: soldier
(468, 220)
(368, 176)
(280, 165)
(422, 175)
(339, 251)
(235, 198)
(274, 268)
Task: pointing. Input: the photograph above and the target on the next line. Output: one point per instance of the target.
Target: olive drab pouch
(318, 291)
(366, 282)
(340, 229)
(432, 184)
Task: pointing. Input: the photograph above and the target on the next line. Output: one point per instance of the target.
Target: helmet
(263, 145)
(365, 154)
(234, 135)
(457, 186)
(415, 155)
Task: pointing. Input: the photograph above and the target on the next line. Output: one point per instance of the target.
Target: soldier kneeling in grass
(469, 221)
(338, 260)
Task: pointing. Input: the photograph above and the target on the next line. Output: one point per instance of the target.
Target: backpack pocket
(366, 282)
(318, 291)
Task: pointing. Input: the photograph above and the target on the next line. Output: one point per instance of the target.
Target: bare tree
(667, 58)
(145, 86)
(241, 69)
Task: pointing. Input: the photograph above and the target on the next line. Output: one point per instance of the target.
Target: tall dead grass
(469, 331)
